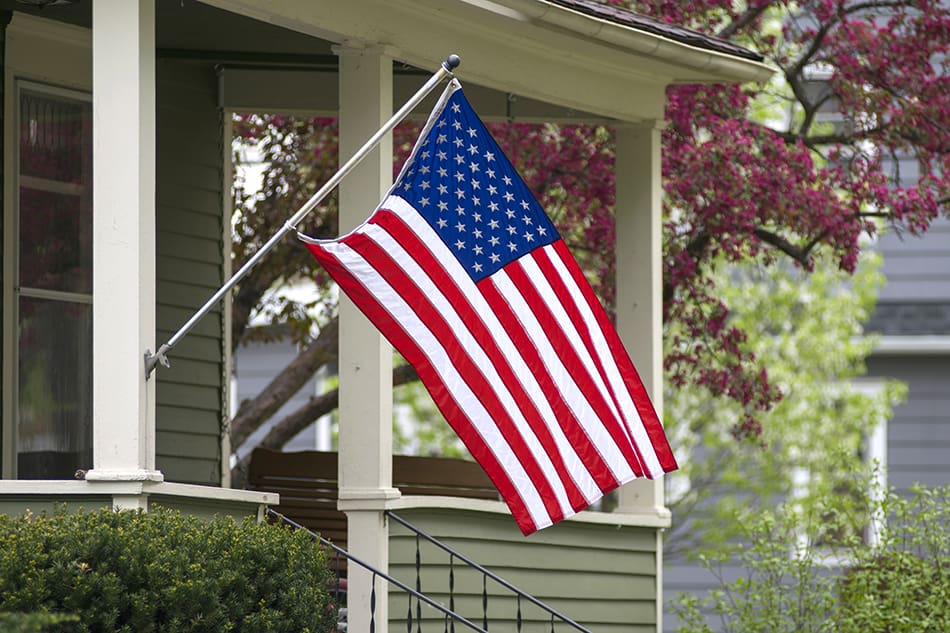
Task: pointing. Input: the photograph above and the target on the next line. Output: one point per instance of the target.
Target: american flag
(464, 273)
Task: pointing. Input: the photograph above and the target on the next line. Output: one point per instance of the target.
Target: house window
(52, 289)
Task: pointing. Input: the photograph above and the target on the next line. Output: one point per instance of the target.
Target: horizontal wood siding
(918, 436)
(602, 576)
(917, 268)
(190, 265)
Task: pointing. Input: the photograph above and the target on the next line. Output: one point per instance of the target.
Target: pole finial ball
(452, 62)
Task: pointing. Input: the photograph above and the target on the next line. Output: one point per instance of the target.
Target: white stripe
(632, 415)
(573, 395)
(467, 401)
(475, 352)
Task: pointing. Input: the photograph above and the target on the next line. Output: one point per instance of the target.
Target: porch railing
(486, 575)
(449, 615)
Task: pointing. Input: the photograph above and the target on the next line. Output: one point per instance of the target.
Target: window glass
(53, 285)
(55, 193)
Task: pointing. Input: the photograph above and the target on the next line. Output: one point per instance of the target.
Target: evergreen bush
(162, 571)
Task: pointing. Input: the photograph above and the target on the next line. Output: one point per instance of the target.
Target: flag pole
(160, 357)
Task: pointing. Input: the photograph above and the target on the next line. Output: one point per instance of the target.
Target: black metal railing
(449, 615)
(486, 575)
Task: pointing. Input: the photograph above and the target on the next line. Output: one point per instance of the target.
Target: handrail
(486, 572)
(339, 550)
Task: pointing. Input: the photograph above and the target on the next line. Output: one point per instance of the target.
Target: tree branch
(253, 412)
(290, 426)
(742, 21)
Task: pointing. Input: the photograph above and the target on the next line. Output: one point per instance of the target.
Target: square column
(639, 249)
(365, 362)
(123, 306)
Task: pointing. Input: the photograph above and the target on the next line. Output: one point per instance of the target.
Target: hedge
(162, 571)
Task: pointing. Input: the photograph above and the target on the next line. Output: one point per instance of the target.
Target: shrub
(900, 584)
(161, 571)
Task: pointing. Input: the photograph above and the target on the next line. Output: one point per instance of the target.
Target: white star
(489, 156)
(476, 201)
(424, 185)
(460, 193)
(476, 184)
(442, 223)
(441, 138)
(459, 142)
(490, 172)
(477, 267)
(459, 244)
(472, 149)
(472, 132)
(459, 176)
(443, 205)
(460, 209)
(492, 189)
(443, 189)
(425, 155)
(507, 180)
(424, 202)
(524, 204)
(493, 206)
(493, 240)
(443, 172)
(477, 233)
(477, 217)
(509, 196)
(512, 246)
(477, 250)
(526, 219)
(441, 123)
(528, 237)
(494, 258)
(460, 227)
(542, 231)
(442, 155)
(459, 159)
(510, 214)
(511, 230)
(424, 169)
(456, 108)
(493, 224)
(457, 125)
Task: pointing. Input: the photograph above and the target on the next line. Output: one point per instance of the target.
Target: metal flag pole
(445, 70)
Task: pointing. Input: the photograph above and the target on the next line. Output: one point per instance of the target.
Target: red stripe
(487, 340)
(638, 392)
(432, 381)
(420, 304)
(566, 351)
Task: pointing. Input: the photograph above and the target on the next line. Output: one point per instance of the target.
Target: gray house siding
(190, 265)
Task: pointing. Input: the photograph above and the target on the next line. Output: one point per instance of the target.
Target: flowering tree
(762, 175)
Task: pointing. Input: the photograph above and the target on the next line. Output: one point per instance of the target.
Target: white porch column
(123, 307)
(640, 295)
(365, 363)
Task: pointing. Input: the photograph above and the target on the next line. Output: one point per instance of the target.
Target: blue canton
(464, 186)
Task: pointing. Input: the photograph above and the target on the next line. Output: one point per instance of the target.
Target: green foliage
(33, 622)
(162, 571)
(898, 584)
(807, 330)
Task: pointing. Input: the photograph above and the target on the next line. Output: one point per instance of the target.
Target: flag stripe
(602, 328)
(437, 373)
(546, 334)
(401, 272)
(476, 315)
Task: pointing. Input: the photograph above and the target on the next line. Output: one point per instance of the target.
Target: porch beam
(365, 364)
(123, 45)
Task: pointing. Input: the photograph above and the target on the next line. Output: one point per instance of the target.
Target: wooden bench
(308, 485)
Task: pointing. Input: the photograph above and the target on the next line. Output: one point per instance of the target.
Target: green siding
(602, 576)
(189, 267)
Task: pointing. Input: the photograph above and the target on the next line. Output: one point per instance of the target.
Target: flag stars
(507, 180)
(477, 267)
(529, 237)
(511, 214)
(442, 138)
(442, 223)
(473, 167)
(460, 210)
(459, 142)
(442, 156)
(472, 132)
(459, 159)
(424, 185)
(526, 219)
(460, 193)
(443, 189)
(493, 240)
(478, 250)
(460, 227)
(443, 172)
(512, 247)
(490, 172)
(489, 156)
(459, 176)
(456, 108)
(492, 189)
(495, 258)
(472, 149)
(424, 202)
(457, 124)
(524, 205)
(493, 224)
(509, 197)
(493, 206)
(459, 244)
(511, 230)
(443, 206)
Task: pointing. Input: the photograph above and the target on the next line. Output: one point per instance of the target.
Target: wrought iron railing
(449, 616)
(486, 575)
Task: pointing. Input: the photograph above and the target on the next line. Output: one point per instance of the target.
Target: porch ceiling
(558, 62)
